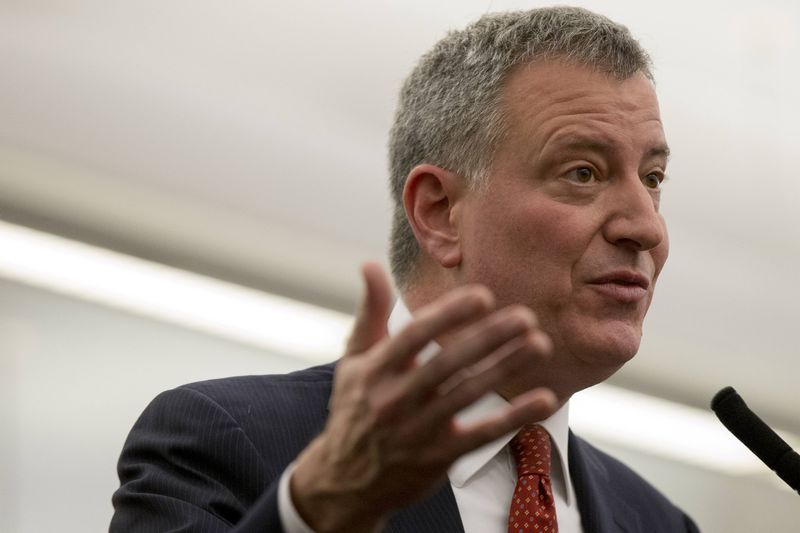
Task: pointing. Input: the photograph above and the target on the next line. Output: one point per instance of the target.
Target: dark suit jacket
(207, 457)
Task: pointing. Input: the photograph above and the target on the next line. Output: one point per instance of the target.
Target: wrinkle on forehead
(547, 100)
(535, 107)
(584, 137)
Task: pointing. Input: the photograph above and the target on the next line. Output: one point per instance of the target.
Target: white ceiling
(247, 140)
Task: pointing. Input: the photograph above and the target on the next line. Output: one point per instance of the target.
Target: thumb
(370, 325)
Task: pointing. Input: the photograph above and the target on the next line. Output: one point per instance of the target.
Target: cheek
(525, 239)
(660, 253)
(553, 232)
(539, 245)
(660, 258)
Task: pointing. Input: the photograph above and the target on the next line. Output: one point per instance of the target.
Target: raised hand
(391, 433)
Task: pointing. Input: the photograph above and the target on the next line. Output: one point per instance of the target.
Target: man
(527, 159)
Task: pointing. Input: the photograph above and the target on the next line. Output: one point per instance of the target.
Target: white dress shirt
(483, 480)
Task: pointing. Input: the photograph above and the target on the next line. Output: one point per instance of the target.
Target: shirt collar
(557, 425)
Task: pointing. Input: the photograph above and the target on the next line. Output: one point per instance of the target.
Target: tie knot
(531, 450)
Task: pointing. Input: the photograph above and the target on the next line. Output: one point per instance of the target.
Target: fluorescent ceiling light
(172, 295)
(645, 423)
(280, 325)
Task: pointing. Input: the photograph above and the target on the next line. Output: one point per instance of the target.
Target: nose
(633, 219)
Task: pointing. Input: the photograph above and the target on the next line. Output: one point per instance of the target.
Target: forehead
(546, 99)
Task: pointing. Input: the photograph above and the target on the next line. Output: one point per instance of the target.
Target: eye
(582, 175)
(653, 180)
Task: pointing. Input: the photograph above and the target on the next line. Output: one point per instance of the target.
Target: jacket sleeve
(188, 466)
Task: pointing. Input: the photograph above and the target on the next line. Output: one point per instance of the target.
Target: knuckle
(478, 437)
(468, 300)
(414, 334)
(478, 298)
(469, 390)
(511, 321)
(540, 342)
(486, 432)
(534, 343)
(523, 314)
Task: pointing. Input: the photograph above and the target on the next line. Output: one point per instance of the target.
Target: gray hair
(450, 111)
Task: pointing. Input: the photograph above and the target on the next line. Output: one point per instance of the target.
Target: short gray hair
(450, 111)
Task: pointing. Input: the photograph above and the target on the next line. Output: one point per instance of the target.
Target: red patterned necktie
(533, 508)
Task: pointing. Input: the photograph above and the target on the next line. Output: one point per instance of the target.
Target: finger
(473, 344)
(532, 406)
(507, 362)
(371, 318)
(449, 313)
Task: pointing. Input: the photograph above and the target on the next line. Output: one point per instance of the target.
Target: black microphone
(756, 435)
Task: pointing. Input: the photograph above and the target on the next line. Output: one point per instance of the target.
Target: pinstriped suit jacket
(207, 457)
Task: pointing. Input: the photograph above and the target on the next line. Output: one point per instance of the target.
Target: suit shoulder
(245, 400)
(205, 453)
(276, 414)
(321, 375)
(274, 396)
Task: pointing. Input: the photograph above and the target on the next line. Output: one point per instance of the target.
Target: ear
(431, 198)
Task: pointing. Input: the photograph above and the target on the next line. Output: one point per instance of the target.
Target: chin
(610, 347)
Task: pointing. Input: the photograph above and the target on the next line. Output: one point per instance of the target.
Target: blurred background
(187, 189)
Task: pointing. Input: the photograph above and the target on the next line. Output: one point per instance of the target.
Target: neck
(425, 288)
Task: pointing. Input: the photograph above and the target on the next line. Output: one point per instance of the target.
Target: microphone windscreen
(758, 436)
(748, 427)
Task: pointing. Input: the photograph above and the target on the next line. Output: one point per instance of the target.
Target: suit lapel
(602, 508)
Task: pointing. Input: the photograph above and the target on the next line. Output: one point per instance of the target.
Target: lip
(625, 286)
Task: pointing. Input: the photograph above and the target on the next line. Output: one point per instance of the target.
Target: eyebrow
(661, 150)
(593, 145)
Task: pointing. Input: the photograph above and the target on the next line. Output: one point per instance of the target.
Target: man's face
(568, 223)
